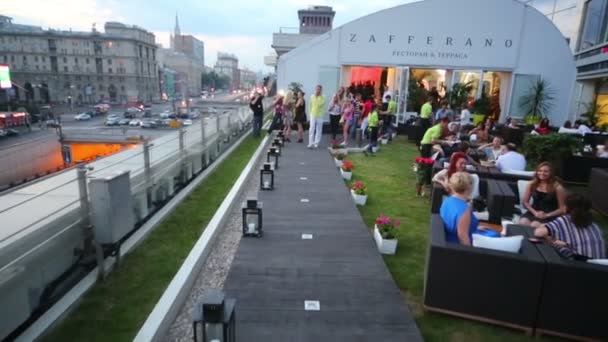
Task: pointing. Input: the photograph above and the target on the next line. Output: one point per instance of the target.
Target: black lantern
(214, 318)
(277, 146)
(252, 218)
(267, 177)
(277, 142)
(273, 152)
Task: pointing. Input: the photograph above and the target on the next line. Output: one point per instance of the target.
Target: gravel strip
(215, 271)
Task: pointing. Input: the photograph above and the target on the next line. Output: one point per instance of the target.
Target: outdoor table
(500, 200)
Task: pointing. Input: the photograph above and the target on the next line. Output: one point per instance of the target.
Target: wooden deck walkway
(340, 267)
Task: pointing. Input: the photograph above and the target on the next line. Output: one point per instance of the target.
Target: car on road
(166, 122)
(112, 121)
(82, 117)
(124, 121)
(132, 112)
(135, 122)
(194, 115)
(187, 122)
(149, 124)
(112, 116)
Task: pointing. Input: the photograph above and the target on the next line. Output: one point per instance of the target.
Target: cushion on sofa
(510, 244)
(599, 261)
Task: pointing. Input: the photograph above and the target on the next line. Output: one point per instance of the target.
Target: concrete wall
(28, 160)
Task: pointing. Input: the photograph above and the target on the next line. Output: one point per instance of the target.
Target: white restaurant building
(501, 46)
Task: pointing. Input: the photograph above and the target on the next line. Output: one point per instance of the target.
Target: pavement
(332, 285)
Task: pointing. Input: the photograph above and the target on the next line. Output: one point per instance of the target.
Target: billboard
(5, 77)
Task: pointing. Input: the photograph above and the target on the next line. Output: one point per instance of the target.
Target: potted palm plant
(537, 102)
(385, 231)
(359, 192)
(347, 170)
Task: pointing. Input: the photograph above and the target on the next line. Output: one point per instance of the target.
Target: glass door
(403, 80)
(473, 77)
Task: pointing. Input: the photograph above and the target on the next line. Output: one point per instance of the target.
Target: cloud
(62, 14)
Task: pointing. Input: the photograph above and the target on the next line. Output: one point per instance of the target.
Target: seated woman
(457, 215)
(493, 150)
(575, 234)
(547, 196)
(480, 134)
(543, 128)
(458, 163)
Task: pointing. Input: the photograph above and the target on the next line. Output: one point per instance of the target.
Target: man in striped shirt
(574, 234)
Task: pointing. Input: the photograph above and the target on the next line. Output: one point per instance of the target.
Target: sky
(240, 27)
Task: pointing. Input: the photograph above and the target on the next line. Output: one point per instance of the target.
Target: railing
(43, 230)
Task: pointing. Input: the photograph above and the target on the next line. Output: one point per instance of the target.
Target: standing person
(389, 115)
(335, 111)
(300, 117)
(386, 98)
(465, 115)
(258, 113)
(289, 106)
(431, 137)
(426, 112)
(357, 110)
(317, 110)
(373, 122)
(279, 111)
(367, 109)
(347, 118)
(548, 197)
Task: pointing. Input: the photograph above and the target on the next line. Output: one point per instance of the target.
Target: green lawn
(115, 309)
(391, 182)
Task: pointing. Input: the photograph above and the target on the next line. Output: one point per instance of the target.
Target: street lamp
(252, 218)
(214, 318)
(267, 177)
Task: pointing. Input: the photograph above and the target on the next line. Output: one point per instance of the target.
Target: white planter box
(384, 246)
(394, 135)
(384, 141)
(338, 150)
(359, 199)
(375, 149)
(338, 162)
(346, 175)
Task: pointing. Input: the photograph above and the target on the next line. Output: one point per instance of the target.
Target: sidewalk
(340, 267)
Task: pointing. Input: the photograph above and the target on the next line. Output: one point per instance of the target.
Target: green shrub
(552, 148)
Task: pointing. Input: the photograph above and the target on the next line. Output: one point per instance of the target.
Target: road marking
(306, 236)
(312, 305)
(304, 200)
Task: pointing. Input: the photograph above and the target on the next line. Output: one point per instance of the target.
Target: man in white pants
(317, 111)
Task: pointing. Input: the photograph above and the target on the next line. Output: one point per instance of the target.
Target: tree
(539, 99)
(295, 87)
(459, 94)
(214, 80)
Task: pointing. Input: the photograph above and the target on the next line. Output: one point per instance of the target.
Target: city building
(187, 58)
(47, 65)
(592, 60)
(248, 78)
(167, 79)
(313, 21)
(516, 47)
(228, 64)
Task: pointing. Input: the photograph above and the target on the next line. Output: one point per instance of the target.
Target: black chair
(574, 300)
(597, 190)
(481, 284)
(577, 169)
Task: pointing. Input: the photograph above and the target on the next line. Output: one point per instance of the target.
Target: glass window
(521, 87)
(592, 25)
(472, 77)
